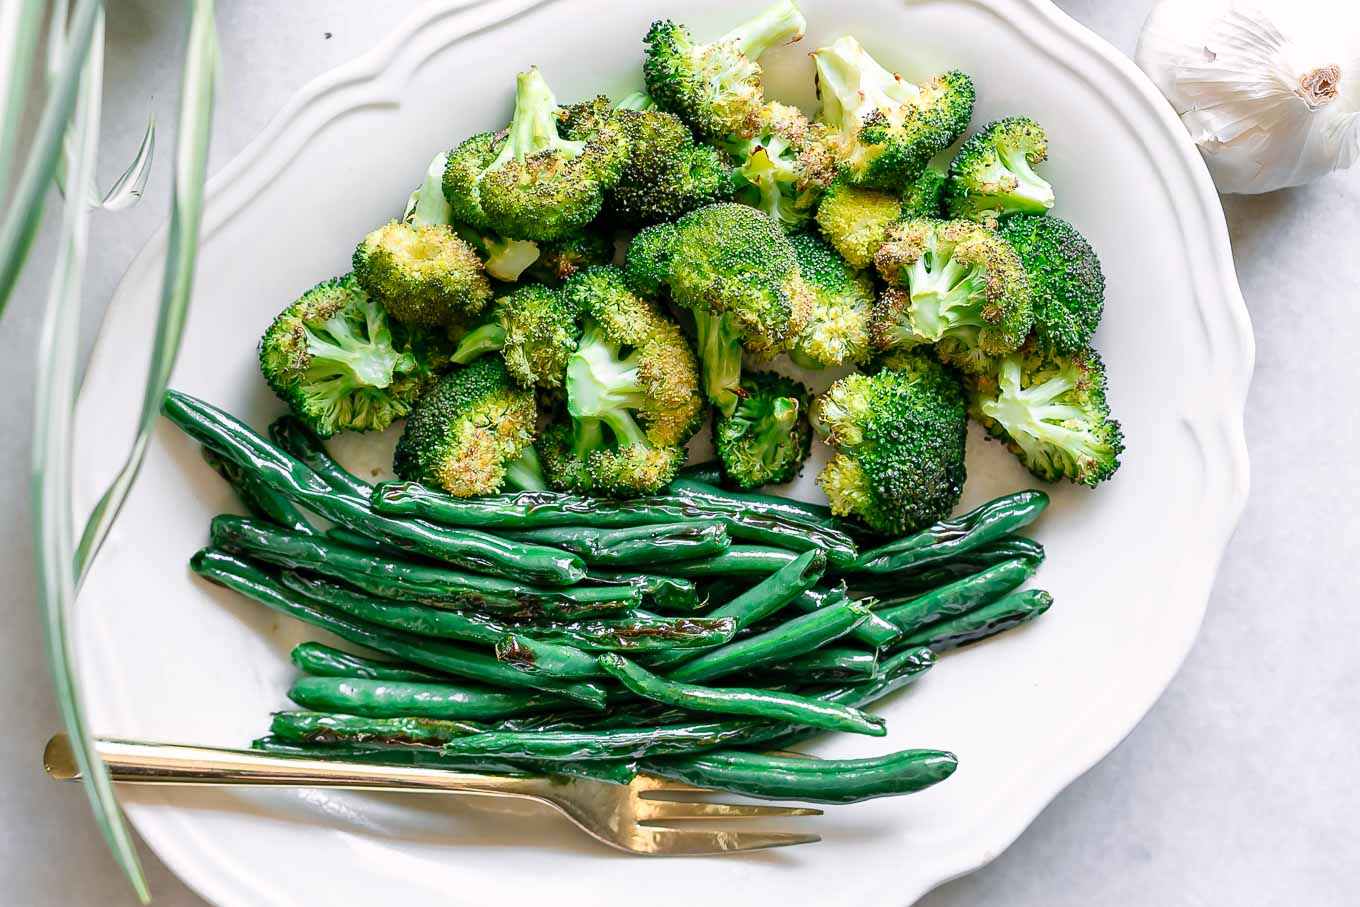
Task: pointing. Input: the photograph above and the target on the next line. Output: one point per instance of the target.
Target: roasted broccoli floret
(899, 437)
(464, 433)
(667, 173)
(993, 173)
(780, 169)
(535, 180)
(1051, 411)
(737, 272)
(837, 329)
(883, 129)
(925, 196)
(767, 437)
(955, 284)
(855, 220)
(340, 364)
(632, 394)
(715, 88)
(1065, 281)
(422, 273)
(575, 252)
(534, 329)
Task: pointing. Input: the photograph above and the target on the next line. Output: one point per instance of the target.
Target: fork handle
(136, 762)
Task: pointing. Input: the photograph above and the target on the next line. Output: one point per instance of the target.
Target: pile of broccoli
(567, 296)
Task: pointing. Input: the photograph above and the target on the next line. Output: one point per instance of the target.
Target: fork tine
(694, 841)
(648, 810)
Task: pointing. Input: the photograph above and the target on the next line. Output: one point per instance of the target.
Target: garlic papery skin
(1269, 89)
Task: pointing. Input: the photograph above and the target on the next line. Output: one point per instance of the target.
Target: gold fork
(619, 815)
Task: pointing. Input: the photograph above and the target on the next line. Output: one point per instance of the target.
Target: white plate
(166, 657)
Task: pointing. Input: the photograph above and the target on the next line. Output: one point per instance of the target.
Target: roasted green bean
(651, 543)
(804, 633)
(289, 477)
(829, 665)
(424, 583)
(771, 704)
(874, 631)
(889, 587)
(534, 509)
(465, 626)
(738, 560)
(761, 600)
(671, 594)
(244, 577)
(989, 620)
(958, 597)
(395, 699)
(321, 660)
(958, 535)
(259, 500)
(294, 438)
(636, 633)
(619, 743)
(809, 780)
(614, 772)
(319, 727)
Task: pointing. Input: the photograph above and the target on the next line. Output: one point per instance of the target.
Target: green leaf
(19, 25)
(191, 164)
(24, 206)
(53, 527)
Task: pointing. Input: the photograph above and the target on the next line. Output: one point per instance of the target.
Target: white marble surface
(1238, 788)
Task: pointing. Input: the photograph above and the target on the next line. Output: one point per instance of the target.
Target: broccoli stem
(765, 170)
(720, 359)
(526, 472)
(364, 362)
(489, 338)
(505, 259)
(600, 383)
(850, 83)
(534, 126)
(777, 24)
(638, 100)
(427, 204)
(1032, 193)
(945, 297)
(1031, 417)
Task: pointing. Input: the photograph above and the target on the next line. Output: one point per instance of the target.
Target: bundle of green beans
(535, 632)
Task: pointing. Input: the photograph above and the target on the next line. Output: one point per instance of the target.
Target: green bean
(771, 704)
(958, 597)
(894, 586)
(738, 560)
(874, 631)
(321, 660)
(613, 772)
(535, 509)
(351, 539)
(258, 499)
(664, 593)
(958, 535)
(989, 620)
(291, 478)
(428, 584)
(247, 579)
(396, 699)
(636, 633)
(422, 620)
(652, 543)
(825, 665)
(804, 633)
(619, 743)
(693, 487)
(524, 653)
(762, 599)
(319, 727)
(294, 438)
(809, 780)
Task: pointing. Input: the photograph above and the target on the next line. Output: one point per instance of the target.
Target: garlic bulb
(1269, 89)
